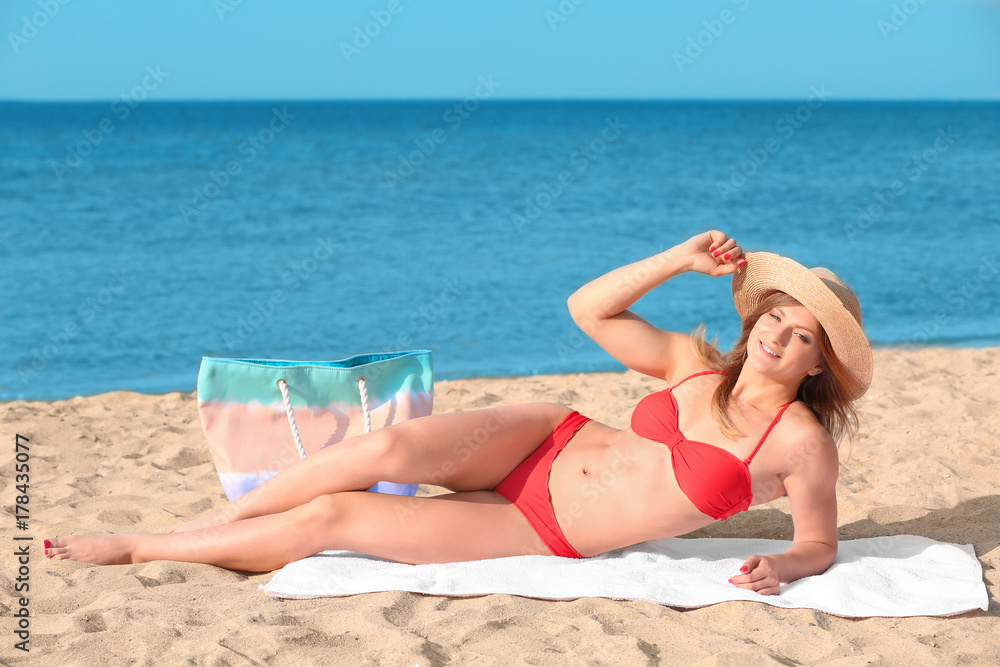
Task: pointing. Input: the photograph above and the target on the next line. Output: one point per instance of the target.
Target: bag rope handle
(363, 388)
(283, 386)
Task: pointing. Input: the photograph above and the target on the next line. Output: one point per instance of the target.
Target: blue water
(272, 230)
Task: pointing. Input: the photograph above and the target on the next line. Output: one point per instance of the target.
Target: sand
(928, 464)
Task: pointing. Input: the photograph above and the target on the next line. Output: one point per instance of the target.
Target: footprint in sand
(568, 397)
(90, 621)
(120, 517)
(485, 400)
(185, 458)
(400, 612)
(201, 506)
(151, 575)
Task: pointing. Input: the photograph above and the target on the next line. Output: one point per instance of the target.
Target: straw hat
(824, 294)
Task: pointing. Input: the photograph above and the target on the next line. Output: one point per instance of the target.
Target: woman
(547, 480)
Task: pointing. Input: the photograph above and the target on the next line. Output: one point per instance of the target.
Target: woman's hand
(713, 253)
(759, 575)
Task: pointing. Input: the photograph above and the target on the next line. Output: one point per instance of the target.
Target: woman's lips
(764, 349)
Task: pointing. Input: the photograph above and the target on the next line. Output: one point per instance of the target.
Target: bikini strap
(766, 433)
(696, 375)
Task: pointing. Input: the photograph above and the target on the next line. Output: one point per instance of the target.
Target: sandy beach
(927, 463)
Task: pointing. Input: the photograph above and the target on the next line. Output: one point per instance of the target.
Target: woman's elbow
(582, 315)
(571, 303)
(828, 557)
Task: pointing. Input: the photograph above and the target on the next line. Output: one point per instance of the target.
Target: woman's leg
(461, 451)
(442, 529)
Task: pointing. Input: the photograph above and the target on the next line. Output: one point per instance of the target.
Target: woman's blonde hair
(823, 393)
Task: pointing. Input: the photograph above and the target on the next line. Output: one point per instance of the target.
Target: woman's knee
(323, 511)
(385, 451)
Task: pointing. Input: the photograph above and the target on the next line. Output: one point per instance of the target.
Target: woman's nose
(783, 335)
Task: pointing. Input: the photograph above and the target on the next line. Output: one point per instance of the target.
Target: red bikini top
(715, 481)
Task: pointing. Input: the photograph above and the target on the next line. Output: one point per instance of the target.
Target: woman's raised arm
(600, 308)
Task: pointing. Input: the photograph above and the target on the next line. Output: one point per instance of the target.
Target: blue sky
(746, 49)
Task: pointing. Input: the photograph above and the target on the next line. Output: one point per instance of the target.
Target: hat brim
(766, 272)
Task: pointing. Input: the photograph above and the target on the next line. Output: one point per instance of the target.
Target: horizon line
(995, 98)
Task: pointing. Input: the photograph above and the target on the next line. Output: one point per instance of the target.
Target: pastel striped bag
(260, 415)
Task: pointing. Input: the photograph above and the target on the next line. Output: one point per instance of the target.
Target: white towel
(904, 575)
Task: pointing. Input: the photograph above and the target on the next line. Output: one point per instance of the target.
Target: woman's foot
(98, 549)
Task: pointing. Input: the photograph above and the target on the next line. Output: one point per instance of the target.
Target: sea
(137, 237)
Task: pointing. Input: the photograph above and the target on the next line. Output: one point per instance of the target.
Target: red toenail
(47, 544)
(46, 552)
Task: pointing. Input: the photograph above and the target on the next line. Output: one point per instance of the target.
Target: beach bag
(261, 415)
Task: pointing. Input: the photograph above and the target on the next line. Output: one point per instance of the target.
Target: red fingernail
(731, 581)
(743, 569)
(715, 254)
(726, 256)
(742, 262)
(47, 544)
(711, 247)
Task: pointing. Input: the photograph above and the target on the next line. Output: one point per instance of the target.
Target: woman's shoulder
(802, 439)
(701, 357)
(687, 371)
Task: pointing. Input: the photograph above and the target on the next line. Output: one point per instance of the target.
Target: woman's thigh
(471, 450)
(439, 529)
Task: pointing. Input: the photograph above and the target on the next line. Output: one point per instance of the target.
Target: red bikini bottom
(527, 486)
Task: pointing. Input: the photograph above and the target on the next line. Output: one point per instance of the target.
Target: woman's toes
(57, 548)
(51, 546)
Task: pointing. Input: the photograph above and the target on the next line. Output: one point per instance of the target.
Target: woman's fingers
(729, 258)
(735, 256)
(764, 585)
(759, 576)
(773, 589)
(723, 247)
(718, 239)
(750, 563)
(750, 577)
(724, 255)
(726, 250)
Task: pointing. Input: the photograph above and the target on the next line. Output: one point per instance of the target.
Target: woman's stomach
(612, 488)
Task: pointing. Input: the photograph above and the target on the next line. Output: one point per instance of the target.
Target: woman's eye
(775, 317)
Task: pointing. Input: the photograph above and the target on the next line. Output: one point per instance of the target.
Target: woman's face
(784, 344)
